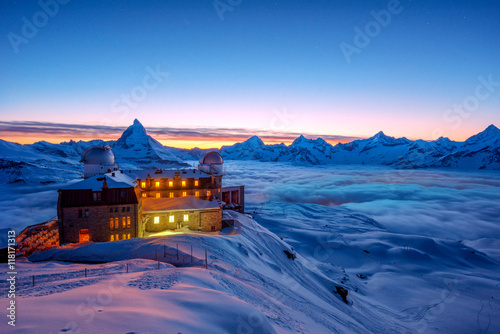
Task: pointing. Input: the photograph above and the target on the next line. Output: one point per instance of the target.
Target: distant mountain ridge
(45, 162)
(481, 151)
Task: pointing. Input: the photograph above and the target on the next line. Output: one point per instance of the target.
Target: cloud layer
(451, 204)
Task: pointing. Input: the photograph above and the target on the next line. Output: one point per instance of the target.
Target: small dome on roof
(211, 158)
(98, 154)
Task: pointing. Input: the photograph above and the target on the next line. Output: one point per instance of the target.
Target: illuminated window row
(117, 237)
(170, 184)
(184, 194)
(171, 219)
(115, 222)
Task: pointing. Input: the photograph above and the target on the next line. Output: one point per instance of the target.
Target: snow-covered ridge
(481, 151)
(45, 162)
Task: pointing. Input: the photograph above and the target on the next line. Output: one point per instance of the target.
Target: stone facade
(96, 220)
(206, 220)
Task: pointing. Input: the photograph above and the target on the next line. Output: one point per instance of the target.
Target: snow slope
(250, 285)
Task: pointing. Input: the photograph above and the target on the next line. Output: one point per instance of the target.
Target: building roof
(177, 203)
(98, 155)
(165, 173)
(211, 157)
(95, 183)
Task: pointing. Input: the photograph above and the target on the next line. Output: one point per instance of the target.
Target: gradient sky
(269, 67)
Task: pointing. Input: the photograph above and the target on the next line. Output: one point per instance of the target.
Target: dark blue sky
(265, 58)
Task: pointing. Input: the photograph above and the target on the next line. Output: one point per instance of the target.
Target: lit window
(171, 195)
(170, 183)
(124, 222)
(117, 237)
(209, 193)
(112, 238)
(143, 184)
(128, 236)
(197, 193)
(124, 236)
(171, 219)
(144, 195)
(157, 195)
(218, 190)
(183, 183)
(157, 220)
(116, 222)
(157, 184)
(128, 222)
(184, 194)
(186, 218)
(196, 183)
(111, 223)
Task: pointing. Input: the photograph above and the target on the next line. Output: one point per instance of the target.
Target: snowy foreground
(418, 252)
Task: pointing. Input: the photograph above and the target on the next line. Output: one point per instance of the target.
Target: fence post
(85, 272)
(127, 268)
(206, 260)
(164, 250)
(33, 280)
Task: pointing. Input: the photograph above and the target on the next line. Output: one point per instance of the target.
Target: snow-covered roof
(166, 174)
(177, 203)
(95, 183)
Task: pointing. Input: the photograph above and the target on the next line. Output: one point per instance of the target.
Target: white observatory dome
(211, 158)
(211, 162)
(98, 155)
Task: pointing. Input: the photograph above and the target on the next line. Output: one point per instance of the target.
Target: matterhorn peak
(136, 133)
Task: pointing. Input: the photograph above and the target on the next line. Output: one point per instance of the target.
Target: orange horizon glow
(177, 142)
(180, 142)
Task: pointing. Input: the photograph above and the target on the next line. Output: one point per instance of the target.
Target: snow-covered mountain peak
(135, 134)
(136, 144)
(300, 140)
(489, 136)
(254, 141)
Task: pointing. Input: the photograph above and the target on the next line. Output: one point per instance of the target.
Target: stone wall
(98, 222)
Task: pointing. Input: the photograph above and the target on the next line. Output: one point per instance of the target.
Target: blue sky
(263, 60)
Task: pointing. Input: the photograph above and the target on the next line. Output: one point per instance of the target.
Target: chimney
(113, 174)
(105, 184)
(121, 171)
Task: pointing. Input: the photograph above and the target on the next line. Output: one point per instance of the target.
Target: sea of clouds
(445, 202)
(440, 202)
